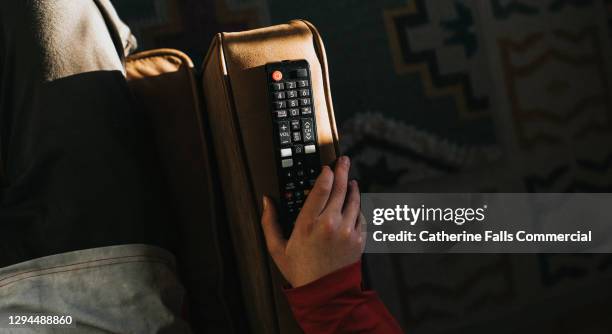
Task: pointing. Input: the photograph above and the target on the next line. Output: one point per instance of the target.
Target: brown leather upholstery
(164, 85)
(235, 91)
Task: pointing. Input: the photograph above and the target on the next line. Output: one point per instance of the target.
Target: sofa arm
(164, 86)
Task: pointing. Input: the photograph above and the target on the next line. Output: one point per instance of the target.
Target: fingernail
(344, 159)
(265, 202)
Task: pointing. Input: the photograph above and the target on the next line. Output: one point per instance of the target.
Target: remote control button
(308, 149)
(298, 195)
(281, 113)
(290, 84)
(295, 124)
(277, 75)
(300, 173)
(290, 186)
(292, 103)
(286, 163)
(294, 112)
(291, 94)
(285, 152)
(288, 195)
(304, 102)
(301, 183)
(302, 83)
(283, 126)
(312, 182)
(306, 110)
(284, 133)
(279, 95)
(280, 105)
(304, 92)
(297, 136)
(306, 192)
(312, 172)
(307, 130)
(298, 149)
(278, 86)
(300, 73)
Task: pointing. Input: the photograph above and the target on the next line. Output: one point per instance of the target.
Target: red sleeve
(336, 303)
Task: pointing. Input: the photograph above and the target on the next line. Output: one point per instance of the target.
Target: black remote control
(295, 135)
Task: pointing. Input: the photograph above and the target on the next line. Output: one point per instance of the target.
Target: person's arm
(321, 259)
(336, 303)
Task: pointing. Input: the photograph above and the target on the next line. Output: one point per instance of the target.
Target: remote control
(295, 135)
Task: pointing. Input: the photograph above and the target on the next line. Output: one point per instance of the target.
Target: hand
(327, 233)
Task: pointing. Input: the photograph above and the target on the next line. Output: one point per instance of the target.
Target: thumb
(274, 237)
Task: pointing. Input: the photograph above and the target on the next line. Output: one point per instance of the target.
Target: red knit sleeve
(336, 303)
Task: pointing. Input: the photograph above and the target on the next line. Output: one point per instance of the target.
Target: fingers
(316, 200)
(272, 232)
(353, 205)
(338, 194)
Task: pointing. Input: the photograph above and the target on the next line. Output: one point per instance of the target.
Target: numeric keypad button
(292, 94)
(280, 104)
(302, 83)
(278, 86)
(304, 102)
(304, 92)
(306, 110)
(290, 85)
(294, 112)
(292, 103)
(279, 95)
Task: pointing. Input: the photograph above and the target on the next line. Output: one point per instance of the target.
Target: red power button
(277, 75)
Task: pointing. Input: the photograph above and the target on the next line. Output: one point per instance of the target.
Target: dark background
(446, 96)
